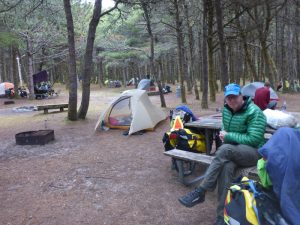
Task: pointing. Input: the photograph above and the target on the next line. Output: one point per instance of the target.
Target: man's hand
(222, 135)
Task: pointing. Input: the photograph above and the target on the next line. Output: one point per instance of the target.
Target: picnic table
(53, 106)
(184, 162)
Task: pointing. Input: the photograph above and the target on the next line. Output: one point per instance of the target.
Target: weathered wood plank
(54, 106)
(251, 172)
(194, 157)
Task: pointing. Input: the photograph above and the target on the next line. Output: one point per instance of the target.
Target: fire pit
(39, 137)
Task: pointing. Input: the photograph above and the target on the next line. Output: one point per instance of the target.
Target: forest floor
(88, 177)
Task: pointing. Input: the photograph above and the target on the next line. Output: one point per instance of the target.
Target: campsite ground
(87, 177)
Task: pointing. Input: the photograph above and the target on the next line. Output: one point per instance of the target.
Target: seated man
(242, 134)
(262, 97)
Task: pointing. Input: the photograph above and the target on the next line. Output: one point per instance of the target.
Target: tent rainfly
(132, 110)
(249, 90)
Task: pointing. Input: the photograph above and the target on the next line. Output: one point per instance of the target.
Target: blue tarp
(282, 152)
(187, 110)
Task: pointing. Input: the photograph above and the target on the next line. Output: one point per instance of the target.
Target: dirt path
(85, 177)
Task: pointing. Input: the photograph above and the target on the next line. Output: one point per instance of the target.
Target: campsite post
(19, 70)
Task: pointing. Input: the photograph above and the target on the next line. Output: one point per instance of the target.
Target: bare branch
(8, 6)
(111, 9)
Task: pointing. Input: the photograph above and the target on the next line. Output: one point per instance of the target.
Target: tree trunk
(88, 62)
(200, 53)
(72, 110)
(297, 46)
(180, 47)
(124, 76)
(297, 55)
(189, 68)
(270, 69)
(290, 58)
(231, 63)
(1, 67)
(245, 72)
(100, 74)
(30, 68)
(276, 44)
(204, 102)
(224, 67)
(15, 69)
(211, 72)
(239, 63)
(243, 36)
(161, 94)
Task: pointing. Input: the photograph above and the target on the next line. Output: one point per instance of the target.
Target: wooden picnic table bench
(53, 106)
(181, 157)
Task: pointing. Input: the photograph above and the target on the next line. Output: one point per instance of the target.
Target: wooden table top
(216, 123)
(211, 123)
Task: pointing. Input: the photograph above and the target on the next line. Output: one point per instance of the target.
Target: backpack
(240, 205)
(170, 140)
(184, 116)
(184, 139)
(247, 203)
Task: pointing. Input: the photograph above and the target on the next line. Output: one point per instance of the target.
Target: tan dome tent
(132, 110)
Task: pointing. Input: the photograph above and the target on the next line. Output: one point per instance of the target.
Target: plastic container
(178, 92)
(283, 107)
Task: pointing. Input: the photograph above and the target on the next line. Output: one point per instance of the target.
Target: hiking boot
(195, 197)
(219, 221)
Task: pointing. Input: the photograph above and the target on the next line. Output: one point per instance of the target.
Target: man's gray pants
(222, 168)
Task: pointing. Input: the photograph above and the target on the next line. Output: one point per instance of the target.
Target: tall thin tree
(224, 67)
(88, 57)
(147, 16)
(72, 111)
(204, 102)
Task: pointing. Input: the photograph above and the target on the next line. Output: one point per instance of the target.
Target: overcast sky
(105, 3)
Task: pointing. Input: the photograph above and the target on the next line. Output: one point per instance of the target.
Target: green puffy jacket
(246, 126)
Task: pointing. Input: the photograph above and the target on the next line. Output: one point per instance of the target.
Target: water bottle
(171, 115)
(283, 107)
(178, 92)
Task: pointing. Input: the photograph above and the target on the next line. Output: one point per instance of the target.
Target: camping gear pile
(180, 137)
(22, 92)
(167, 89)
(282, 164)
(132, 111)
(7, 89)
(185, 114)
(113, 83)
(249, 202)
(42, 86)
(277, 119)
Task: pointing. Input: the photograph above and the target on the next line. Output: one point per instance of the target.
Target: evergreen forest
(199, 45)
